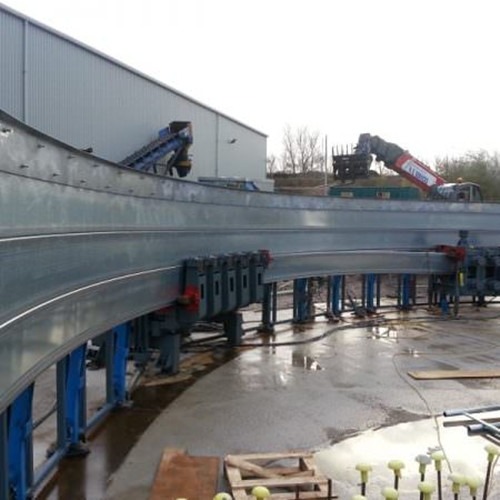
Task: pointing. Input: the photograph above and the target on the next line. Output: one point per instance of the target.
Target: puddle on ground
(483, 383)
(383, 332)
(403, 442)
(302, 360)
(410, 351)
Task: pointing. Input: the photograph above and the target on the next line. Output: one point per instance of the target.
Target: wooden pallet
(288, 476)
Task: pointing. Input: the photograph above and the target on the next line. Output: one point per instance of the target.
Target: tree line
(480, 167)
(303, 152)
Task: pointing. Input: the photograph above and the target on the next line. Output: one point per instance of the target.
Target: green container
(376, 192)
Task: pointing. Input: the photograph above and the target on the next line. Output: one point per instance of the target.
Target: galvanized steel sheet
(86, 244)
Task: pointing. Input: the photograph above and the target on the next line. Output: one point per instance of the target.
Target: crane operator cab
(465, 192)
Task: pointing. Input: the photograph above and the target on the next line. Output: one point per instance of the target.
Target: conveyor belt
(86, 244)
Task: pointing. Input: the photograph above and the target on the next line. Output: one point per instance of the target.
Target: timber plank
(256, 470)
(281, 471)
(281, 482)
(304, 495)
(254, 457)
(233, 475)
(452, 374)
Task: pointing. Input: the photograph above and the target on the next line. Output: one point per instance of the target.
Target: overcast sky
(424, 74)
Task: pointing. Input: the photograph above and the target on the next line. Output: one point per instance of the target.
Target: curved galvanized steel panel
(86, 244)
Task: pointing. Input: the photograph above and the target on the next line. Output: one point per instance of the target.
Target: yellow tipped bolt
(438, 457)
(423, 461)
(390, 493)
(223, 496)
(260, 492)
(492, 451)
(365, 470)
(396, 466)
(457, 481)
(427, 489)
(473, 482)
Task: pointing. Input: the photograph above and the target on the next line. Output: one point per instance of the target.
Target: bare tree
(301, 150)
(272, 165)
(289, 160)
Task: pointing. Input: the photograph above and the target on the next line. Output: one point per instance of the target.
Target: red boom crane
(350, 165)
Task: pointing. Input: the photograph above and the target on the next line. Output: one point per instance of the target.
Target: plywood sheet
(182, 476)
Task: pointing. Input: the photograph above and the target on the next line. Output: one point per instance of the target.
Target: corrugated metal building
(87, 99)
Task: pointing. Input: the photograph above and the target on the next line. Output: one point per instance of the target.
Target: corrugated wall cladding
(246, 155)
(90, 102)
(11, 64)
(87, 100)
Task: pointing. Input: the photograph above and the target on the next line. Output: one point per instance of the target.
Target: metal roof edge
(123, 65)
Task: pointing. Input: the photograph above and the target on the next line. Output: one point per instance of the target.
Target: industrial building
(47, 79)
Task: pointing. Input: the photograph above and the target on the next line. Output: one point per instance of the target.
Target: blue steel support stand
(17, 479)
(170, 349)
(71, 411)
(336, 295)
(300, 301)
(444, 304)
(379, 289)
(404, 292)
(369, 282)
(268, 308)
(431, 296)
(4, 458)
(233, 326)
(274, 300)
(76, 401)
(117, 348)
(121, 335)
(20, 445)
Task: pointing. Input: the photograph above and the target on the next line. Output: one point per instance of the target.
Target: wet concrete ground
(86, 478)
(312, 395)
(302, 394)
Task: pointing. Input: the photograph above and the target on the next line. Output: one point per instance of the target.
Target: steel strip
(86, 244)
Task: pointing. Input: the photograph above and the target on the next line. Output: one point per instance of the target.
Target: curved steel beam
(86, 244)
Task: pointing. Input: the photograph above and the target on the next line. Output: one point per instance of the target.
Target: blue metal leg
(405, 292)
(300, 302)
(363, 291)
(121, 335)
(274, 302)
(336, 295)
(20, 451)
(445, 306)
(267, 309)
(61, 448)
(76, 400)
(370, 281)
(4, 458)
(116, 353)
(378, 287)
(170, 352)
(233, 327)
